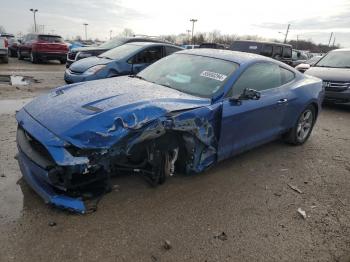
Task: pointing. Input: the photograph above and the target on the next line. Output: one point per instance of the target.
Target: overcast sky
(310, 19)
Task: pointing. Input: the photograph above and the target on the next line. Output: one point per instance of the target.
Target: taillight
(6, 43)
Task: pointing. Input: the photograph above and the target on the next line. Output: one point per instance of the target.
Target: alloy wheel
(304, 125)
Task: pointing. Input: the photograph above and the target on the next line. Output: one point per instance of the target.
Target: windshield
(313, 60)
(192, 74)
(50, 38)
(337, 59)
(120, 51)
(117, 41)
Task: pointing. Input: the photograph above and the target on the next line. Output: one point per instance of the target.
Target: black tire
(302, 129)
(63, 61)
(19, 55)
(33, 58)
(4, 59)
(160, 169)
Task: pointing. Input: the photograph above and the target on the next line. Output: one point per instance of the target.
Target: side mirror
(250, 94)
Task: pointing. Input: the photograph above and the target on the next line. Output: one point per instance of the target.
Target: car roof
(341, 49)
(151, 43)
(261, 42)
(233, 56)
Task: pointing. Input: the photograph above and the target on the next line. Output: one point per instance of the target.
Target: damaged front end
(60, 169)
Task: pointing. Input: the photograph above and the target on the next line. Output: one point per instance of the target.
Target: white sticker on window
(254, 47)
(213, 75)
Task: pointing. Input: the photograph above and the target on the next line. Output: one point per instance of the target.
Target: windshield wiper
(138, 77)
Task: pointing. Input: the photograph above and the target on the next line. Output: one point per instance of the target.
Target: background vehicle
(307, 64)
(184, 113)
(190, 46)
(4, 49)
(298, 57)
(84, 52)
(123, 60)
(40, 47)
(212, 45)
(334, 70)
(278, 51)
(13, 46)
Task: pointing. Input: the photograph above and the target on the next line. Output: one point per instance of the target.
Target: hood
(82, 65)
(84, 113)
(330, 74)
(89, 49)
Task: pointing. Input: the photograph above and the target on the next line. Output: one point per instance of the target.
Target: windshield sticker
(213, 75)
(254, 47)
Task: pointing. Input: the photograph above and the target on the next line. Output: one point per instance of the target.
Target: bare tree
(2, 29)
(127, 32)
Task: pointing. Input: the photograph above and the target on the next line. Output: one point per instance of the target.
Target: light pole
(110, 34)
(193, 21)
(34, 11)
(85, 25)
(188, 34)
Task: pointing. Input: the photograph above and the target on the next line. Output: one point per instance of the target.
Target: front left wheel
(300, 133)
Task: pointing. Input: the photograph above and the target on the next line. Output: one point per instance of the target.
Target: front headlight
(94, 69)
(83, 55)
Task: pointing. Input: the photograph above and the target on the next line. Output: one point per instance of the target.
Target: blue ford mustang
(182, 114)
(126, 59)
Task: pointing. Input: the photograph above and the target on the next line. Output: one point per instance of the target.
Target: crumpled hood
(84, 64)
(85, 114)
(330, 74)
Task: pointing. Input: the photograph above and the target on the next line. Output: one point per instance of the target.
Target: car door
(253, 122)
(146, 57)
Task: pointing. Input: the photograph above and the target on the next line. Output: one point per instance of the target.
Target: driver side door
(253, 122)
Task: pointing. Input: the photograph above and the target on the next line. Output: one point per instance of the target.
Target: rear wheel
(303, 128)
(5, 59)
(33, 58)
(63, 61)
(19, 55)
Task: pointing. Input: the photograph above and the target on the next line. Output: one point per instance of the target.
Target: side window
(260, 76)
(287, 52)
(149, 55)
(277, 51)
(286, 76)
(170, 49)
(266, 50)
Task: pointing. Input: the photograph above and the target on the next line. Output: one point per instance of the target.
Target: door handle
(282, 101)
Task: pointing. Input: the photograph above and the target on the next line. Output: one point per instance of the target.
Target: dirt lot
(241, 210)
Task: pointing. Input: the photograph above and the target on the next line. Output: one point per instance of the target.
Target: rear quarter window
(286, 76)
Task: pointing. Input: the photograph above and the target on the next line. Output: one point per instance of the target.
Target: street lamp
(110, 34)
(85, 25)
(193, 21)
(34, 11)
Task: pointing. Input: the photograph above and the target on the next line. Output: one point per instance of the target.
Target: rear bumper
(3, 52)
(338, 97)
(51, 56)
(35, 177)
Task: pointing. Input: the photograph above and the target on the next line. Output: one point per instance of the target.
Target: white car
(4, 49)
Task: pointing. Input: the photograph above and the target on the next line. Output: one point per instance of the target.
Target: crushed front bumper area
(35, 176)
(47, 166)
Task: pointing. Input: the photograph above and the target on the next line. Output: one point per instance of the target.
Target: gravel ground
(243, 209)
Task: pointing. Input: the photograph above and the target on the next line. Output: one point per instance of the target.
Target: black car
(212, 45)
(84, 52)
(278, 51)
(334, 70)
